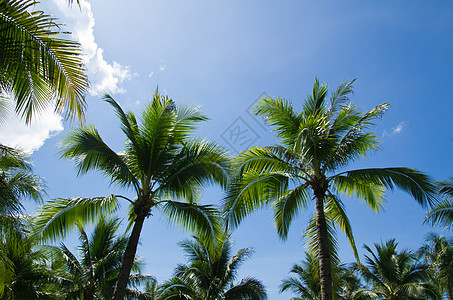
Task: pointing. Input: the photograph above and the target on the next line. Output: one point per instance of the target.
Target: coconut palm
(27, 274)
(93, 276)
(38, 66)
(306, 281)
(396, 275)
(441, 214)
(437, 253)
(17, 183)
(160, 162)
(210, 274)
(317, 144)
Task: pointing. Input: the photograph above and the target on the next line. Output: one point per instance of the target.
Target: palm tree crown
(396, 275)
(160, 162)
(317, 144)
(210, 274)
(93, 276)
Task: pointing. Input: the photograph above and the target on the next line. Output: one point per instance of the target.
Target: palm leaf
(57, 217)
(38, 66)
(201, 219)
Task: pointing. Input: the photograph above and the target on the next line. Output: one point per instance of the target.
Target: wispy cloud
(162, 66)
(104, 76)
(395, 130)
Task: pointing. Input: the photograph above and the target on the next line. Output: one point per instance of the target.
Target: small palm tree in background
(37, 66)
(93, 276)
(210, 274)
(161, 163)
(306, 281)
(396, 275)
(25, 271)
(437, 253)
(317, 144)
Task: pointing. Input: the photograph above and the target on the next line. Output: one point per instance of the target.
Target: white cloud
(394, 131)
(162, 66)
(29, 138)
(151, 74)
(103, 76)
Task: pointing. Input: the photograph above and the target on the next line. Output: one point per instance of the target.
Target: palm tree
(27, 274)
(17, 183)
(306, 281)
(441, 214)
(316, 146)
(37, 66)
(160, 162)
(437, 253)
(93, 276)
(210, 274)
(396, 275)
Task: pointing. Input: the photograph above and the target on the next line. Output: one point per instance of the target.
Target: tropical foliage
(161, 163)
(211, 273)
(38, 66)
(441, 214)
(316, 146)
(396, 275)
(93, 276)
(437, 253)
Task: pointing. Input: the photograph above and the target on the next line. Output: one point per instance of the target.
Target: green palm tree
(441, 214)
(306, 281)
(210, 274)
(437, 253)
(27, 275)
(93, 276)
(37, 66)
(396, 275)
(161, 163)
(17, 183)
(317, 144)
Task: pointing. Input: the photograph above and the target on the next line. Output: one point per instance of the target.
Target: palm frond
(441, 214)
(417, 184)
(38, 66)
(57, 217)
(288, 206)
(89, 151)
(201, 219)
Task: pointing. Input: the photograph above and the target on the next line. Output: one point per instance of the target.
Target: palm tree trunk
(323, 248)
(128, 258)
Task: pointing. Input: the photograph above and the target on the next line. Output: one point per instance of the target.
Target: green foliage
(441, 213)
(317, 144)
(210, 274)
(38, 66)
(396, 275)
(94, 274)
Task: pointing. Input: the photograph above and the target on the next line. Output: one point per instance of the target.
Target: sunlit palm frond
(288, 206)
(57, 217)
(201, 219)
(417, 184)
(280, 114)
(38, 65)
(89, 152)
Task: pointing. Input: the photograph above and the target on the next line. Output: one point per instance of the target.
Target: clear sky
(222, 55)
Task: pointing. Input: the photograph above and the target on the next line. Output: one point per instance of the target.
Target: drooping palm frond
(201, 219)
(89, 152)
(38, 66)
(57, 217)
(416, 183)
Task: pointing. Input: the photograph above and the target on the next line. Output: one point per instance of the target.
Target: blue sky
(222, 55)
